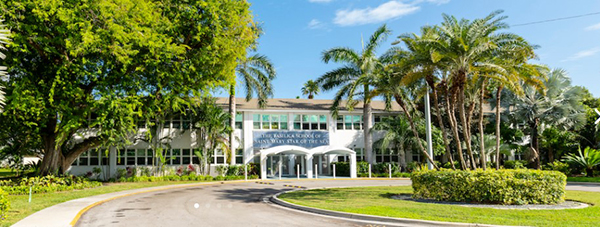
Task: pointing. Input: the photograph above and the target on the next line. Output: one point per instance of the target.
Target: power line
(556, 19)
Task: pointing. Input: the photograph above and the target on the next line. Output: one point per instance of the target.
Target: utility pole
(428, 128)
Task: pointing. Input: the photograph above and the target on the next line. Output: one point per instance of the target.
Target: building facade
(288, 137)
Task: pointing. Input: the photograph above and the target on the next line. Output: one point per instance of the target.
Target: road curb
(576, 183)
(363, 217)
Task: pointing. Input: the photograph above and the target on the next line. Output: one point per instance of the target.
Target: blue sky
(297, 31)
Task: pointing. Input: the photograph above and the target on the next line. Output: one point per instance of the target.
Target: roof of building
(302, 104)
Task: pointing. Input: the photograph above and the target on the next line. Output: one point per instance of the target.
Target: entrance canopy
(308, 154)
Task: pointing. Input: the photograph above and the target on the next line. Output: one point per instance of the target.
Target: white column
(247, 138)
(428, 128)
(309, 166)
(303, 165)
(352, 165)
(263, 166)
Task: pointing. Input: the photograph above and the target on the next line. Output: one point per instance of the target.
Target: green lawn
(377, 201)
(584, 179)
(20, 208)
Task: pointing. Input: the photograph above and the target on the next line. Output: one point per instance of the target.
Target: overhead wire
(556, 19)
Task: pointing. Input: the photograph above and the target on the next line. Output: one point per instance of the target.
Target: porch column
(352, 165)
(320, 168)
(263, 166)
(309, 166)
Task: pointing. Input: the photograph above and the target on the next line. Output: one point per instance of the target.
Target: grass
(377, 201)
(584, 179)
(20, 208)
(7, 173)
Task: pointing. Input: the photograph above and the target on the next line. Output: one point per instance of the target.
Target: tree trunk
(52, 161)
(402, 157)
(440, 121)
(454, 126)
(414, 130)
(367, 125)
(482, 153)
(232, 113)
(534, 143)
(589, 172)
(310, 96)
(463, 119)
(498, 94)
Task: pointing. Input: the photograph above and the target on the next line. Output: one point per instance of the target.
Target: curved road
(238, 204)
(233, 204)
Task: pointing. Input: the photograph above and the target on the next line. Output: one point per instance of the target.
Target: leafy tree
(589, 159)
(82, 73)
(355, 78)
(559, 105)
(589, 136)
(556, 142)
(311, 88)
(489, 146)
(255, 74)
(397, 132)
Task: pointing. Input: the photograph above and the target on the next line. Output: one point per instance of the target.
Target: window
(176, 157)
(360, 155)
(270, 121)
(239, 156)
(416, 156)
(219, 157)
(186, 156)
(92, 157)
(239, 121)
(130, 157)
(310, 122)
(141, 157)
(349, 122)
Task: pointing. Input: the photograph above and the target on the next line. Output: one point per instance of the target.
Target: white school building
(286, 136)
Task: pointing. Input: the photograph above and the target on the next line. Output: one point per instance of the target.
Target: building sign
(306, 139)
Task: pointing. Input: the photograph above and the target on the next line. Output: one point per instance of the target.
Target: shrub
(384, 168)
(362, 167)
(4, 204)
(341, 168)
(46, 184)
(560, 167)
(515, 164)
(492, 186)
(588, 159)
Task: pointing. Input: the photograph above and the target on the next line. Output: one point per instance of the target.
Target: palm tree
(488, 149)
(589, 159)
(397, 132)
(255, 74)
(418, 56)
(467, 48)
(559, 104)
(209, 122)
(311, 88)
(355, 78)
(4, 33)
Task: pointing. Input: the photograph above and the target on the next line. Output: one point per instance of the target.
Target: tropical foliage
(588, 159)
(91, 66)
(311, 88)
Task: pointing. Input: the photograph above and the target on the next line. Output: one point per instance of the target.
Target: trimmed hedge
(491, 186)
(191, 177)
(4, 204)
(46, 184)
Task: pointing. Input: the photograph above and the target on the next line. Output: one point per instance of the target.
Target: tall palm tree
(397, 132)
(311, 88)
(467, 48)
(255, 73)
(4, 33)
(418, 56)
(559, 104)
(355, 78)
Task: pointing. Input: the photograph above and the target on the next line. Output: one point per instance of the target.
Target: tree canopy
(82, 72)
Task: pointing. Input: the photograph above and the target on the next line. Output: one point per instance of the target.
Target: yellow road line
(81, 212)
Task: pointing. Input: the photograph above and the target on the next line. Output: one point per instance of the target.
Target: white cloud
(316, 24)
(437, 2)
(583, 54)
(386, 11)
(593, 27)
(320, 1)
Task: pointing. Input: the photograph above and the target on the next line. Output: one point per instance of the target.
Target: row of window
(143, 157)
(381, 155)
(277, 122)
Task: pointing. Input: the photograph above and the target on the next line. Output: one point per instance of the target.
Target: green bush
(560, 167)
(46, 184)
(362, 167)
(4, 204)
(491, 186)
(341, 168)
(515, 164)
